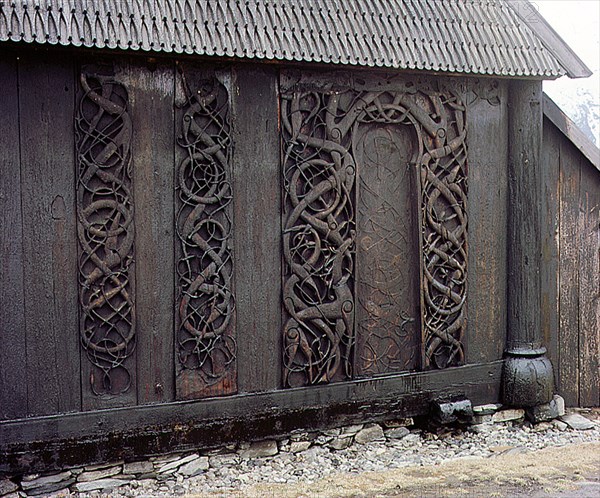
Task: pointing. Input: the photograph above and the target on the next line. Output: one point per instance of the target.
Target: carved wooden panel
(206, 346)
(405, 140)
(318, 239)
(388, 331)
(105, 230)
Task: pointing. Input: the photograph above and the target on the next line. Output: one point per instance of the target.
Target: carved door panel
(374, 226)
(387, 257)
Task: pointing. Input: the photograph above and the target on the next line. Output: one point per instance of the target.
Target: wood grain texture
(116, 386)
(257, 222)
(524, 210)
(487, 203)
(151, 99)
(387, 259)
(205, 352)
(568, 365)
(46, 100)
(13, 386)
(187, 426)
(589, 285)
(550, 220)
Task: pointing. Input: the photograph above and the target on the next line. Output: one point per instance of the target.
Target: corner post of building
(527, 375)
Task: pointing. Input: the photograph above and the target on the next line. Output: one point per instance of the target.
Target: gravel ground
(512, 458)
(302, 473)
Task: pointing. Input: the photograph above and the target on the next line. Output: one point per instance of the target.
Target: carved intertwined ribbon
(105, 231)
(444, 232)
(318, 242)
(319, 130)
(206, 303)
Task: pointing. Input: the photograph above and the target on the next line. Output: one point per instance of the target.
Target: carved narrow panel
(405, 142)
(388, 329)
(206, 346)
(443, 168)
(105, 232)
(318, 238)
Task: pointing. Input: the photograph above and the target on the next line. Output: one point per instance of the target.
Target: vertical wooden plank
(589, 285)
(151, 94)
(13, 387)
(257, 225)
(387, 258)
(550, 222)
(106, 235)
(46, 100)
(487, 203)
(568, 363)
(205, 352)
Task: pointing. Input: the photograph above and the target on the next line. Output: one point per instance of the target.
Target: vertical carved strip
(205, 307)
(444, 233)
(318, 241)
(105, 232)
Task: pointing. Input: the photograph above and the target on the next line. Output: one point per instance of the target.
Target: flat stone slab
(194, 467)
(578, 422)
(7, 486)
(489, 409)
(138, 468)
(99, 484)
(172, 466)
(261, 449)
(508, 415)
(340, 443)
(297, 446)
(43, 481)
(99, 474)
(397, 433)
(543, 413)
(369, 433)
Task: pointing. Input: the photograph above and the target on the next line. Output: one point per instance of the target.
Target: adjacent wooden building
(227, 220)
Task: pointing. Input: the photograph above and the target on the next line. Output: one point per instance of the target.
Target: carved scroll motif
(205, 306)
(105, 231)
(318, 241)
(323, 133)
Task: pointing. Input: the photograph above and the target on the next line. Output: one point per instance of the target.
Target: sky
(577, 22)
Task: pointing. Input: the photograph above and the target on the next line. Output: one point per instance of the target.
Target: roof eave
(565, 55)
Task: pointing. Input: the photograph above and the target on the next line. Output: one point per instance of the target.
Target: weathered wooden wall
(127, 181)
(571, 259)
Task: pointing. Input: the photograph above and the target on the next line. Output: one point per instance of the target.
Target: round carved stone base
(527, 381)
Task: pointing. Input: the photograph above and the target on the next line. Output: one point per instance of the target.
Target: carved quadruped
(322, 118)
(105, 229)
(205, 304)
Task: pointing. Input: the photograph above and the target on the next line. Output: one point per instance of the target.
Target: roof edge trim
(531, 16)
(569, 129)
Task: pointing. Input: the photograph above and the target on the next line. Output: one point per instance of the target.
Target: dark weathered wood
(107, 380)
(205, 351)
(151, 94)
(527, 377)
(568, 365)
(13, 386)
(142, 431)
(571, 131)
(487, 164)
(589, 285)
(550, 220)
(46, 100)
(257, 226)
(387, 259)
(524, 163)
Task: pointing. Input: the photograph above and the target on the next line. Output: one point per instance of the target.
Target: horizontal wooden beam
(58, 441)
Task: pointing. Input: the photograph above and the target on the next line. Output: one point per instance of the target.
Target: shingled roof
(492, 37)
